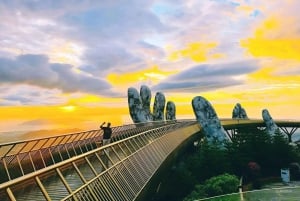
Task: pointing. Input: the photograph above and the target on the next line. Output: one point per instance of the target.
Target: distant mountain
(11, 136)
(27, 135)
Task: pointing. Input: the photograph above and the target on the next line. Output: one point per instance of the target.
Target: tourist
(106, 133)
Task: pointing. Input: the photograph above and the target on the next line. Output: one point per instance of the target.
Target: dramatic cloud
(123, 20)
(37, 71)
(109, 58)
(208, 77)
(29, 95)
(74, 53)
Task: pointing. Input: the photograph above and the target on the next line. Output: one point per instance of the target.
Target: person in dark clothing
(106, 133)
(106, 140)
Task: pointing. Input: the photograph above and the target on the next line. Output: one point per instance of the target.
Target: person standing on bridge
(106, 140)
(106, 133)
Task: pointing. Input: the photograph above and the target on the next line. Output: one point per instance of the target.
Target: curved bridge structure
(73, 167)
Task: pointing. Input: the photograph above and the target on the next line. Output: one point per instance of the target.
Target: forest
(207, 170)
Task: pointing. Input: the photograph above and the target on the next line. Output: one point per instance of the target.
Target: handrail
(120, 149)
(115, 129)
(22, 157)
(126, 164)
(286, 192)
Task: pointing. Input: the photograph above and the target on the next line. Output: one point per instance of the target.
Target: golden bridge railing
(117, 171)
(23, 157)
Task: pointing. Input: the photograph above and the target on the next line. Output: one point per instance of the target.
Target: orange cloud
(198, 52)
(274, 74)
(59, 117)
(273, 40)
(278, 48)
(85, 99)
(154, 73)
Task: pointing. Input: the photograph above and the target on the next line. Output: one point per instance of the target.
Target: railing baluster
(20, 165)
(25, 144)
(129, 186)
(10, 194)
(79, 142)
(73, 142)
(91, 166)
(91, 139)
(106, 189)
(50, 152)
(86, 139)
(63, 180)
(92, 192)
(31, 160)
(44, 191)
(6, 169)
(79, 173)
(42, 154)
(8, 150)
(127, 168)
(132, 162)
(67, 150)
(58, 148)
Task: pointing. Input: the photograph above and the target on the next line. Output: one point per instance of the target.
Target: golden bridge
(75, 167)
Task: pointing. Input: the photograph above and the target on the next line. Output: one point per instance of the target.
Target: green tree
(282, 154)
(218, 185)
(247, 145)
(270, 152)
(208, 161)
(177, 184)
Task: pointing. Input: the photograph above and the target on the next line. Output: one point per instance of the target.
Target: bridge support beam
(231, 133)
(289, 133)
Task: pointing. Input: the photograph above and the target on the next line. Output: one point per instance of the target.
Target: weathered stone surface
(170, 111)
(209, 121)
(145, 94)
(136, 110)
(271, 127)
(159, 107)
(239, 112)
(139, 106)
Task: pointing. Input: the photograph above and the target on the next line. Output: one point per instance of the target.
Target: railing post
(45, 193)
(10, 194)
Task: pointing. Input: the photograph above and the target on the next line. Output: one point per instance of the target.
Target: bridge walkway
(288, 127)
(118, 171)
(23, 157)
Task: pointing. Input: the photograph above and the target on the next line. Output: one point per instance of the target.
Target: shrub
(218, 185)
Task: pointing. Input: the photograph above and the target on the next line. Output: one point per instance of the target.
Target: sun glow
(66, 52)
(68, 108)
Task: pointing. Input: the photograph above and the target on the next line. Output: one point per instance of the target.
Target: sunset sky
(68, 64)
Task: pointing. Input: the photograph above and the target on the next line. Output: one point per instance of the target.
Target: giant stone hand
(139, 105)
(209, 121)
(239, 112)
(170, 111)
(145, 94)
(271, 127)
(137, 113)
(159, 107)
